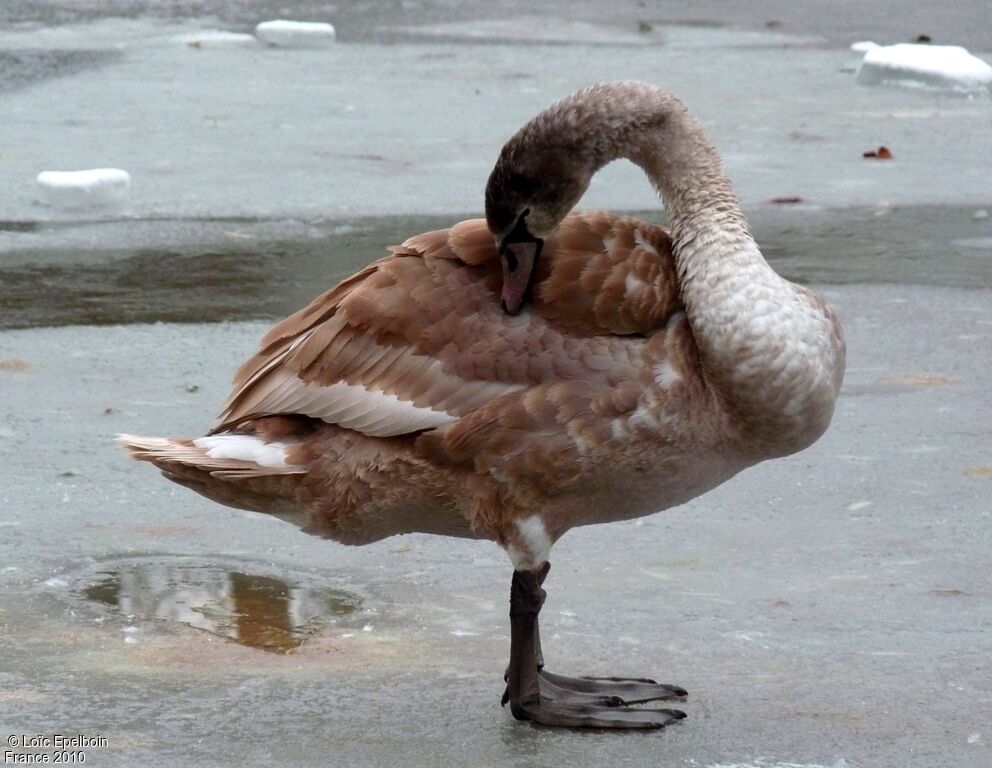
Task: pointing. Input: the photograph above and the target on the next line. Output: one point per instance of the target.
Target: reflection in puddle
(258, 611)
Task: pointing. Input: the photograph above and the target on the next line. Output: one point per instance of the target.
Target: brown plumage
(500, 408)
(631, 370)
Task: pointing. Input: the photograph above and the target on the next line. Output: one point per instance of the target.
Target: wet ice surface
(123, 272)
(832, 605)
(213, 595)
(829, 609)
(365, 129)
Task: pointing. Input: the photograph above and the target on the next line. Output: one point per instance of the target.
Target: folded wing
(417, 340)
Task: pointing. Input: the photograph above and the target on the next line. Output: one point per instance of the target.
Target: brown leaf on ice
(882, 153)
(916, 380)
(13, 365)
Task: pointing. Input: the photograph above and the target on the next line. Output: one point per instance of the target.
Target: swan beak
(518, 268)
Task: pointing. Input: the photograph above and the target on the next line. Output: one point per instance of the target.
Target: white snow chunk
(84, 189)
(216, 38)
(933, 67)
(296, 34)
(863, 46)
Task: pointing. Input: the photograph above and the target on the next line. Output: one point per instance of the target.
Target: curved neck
(771, 350)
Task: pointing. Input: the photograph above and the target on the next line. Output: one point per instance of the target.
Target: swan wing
(417, 341)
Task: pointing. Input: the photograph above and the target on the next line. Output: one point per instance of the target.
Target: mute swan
(628, 370)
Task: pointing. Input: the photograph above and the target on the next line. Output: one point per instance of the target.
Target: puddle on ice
(259, 611)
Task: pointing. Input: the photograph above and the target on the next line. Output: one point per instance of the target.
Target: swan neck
(686, 170)
(772, 351)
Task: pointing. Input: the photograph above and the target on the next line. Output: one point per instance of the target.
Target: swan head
(527, 197)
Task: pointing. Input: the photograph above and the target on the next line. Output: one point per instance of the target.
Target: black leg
(553, 700)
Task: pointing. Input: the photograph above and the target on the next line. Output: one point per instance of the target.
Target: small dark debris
(68, 473)
(803, 136)
(773, 24)
(192, 387)
(644, 27)
(109, 411)
(924, 39)
(786, 199)
(948, 592)
(19, 226)
(882, 153)
(194, 44)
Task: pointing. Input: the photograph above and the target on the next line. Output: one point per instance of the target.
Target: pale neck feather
(774, 351)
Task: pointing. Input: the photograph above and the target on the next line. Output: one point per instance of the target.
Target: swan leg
(552, 700)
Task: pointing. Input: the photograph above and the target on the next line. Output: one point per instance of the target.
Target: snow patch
(932, 67)
(863, 46)
(84, 189)
(296, 34)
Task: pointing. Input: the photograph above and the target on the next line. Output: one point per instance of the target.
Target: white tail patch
(226, 456)
(244, 448)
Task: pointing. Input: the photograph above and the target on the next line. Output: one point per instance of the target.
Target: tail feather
(228, 457)
(238, 470)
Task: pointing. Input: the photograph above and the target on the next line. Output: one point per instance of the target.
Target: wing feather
(417, 340)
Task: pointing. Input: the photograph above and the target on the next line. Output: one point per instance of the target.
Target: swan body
(514, 377)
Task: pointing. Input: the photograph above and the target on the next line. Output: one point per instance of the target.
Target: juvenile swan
(513, 378)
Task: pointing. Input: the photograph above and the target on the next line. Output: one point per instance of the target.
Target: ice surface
(84, 189)
(332, 136)
(935, 67)
(857, 610)
(209, 38)
(295, 34)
